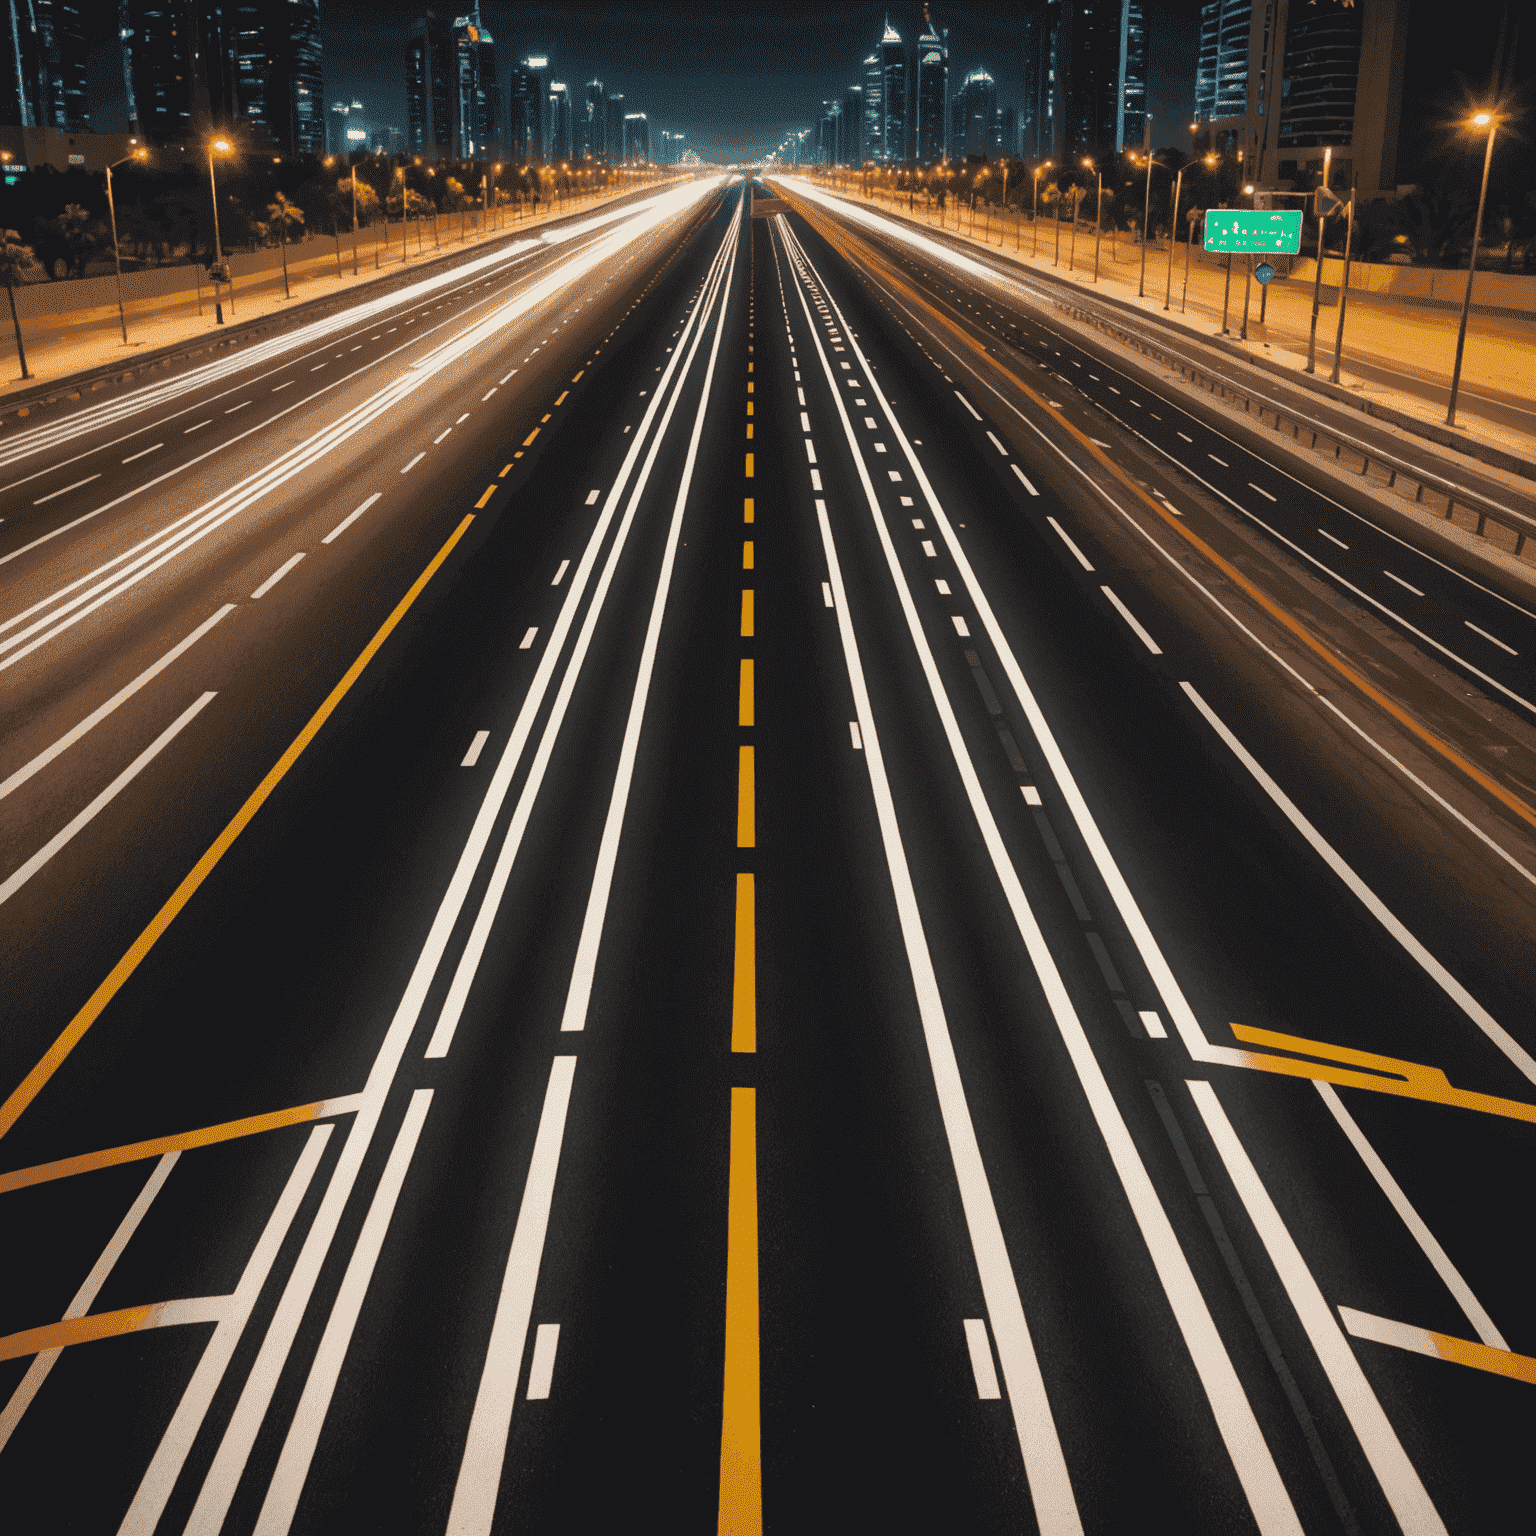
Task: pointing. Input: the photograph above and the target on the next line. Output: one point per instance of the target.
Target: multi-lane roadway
(706, 872)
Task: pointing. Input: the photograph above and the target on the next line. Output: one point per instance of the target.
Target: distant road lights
(1489, 121)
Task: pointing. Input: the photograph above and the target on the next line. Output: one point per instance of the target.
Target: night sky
(735, 78)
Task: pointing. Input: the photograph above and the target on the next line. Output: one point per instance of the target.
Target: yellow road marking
(108, 1325)
(1406, 1079)
(1440, 1346)
(744, 985)
(741, 1443)
(578, 375)
(749, 431)
(749, 512)
(750, 386)
(749, 407)
(527, 440)
(746, 611)
(746, 801)
(181, 1141)
(490, 491)
(561, 400)
(503, 474)
(744, 708)
(1524, 811)
(32, 1084)
(746, 555)
(749, 466)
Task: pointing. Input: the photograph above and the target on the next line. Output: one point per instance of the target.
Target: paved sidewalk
(1379, 336)
(84, 341)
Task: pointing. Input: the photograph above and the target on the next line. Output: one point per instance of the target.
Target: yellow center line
(749, 431)
(1386, 1074)
(110, 1325)
(578, 376)
(503, 474)
(746, 611)
(746, 801)
(747, 555)
(490, 491)
(744, 979)
(54, 1057)
(749, 466)
(741, 1443)
(180, 1141)
(749, 511)
(1524, 811)
(749, 407)
(745, 700)
(561, 400)
(531, 436)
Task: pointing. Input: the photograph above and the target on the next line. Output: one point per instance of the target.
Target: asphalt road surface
(700, 873)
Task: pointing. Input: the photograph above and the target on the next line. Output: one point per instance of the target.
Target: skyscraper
(44, 72)
(1084, 70)
(478, 96)
(895, 146)
(594, 123)
(975, 117)
(557, 123)
(276, 57)
(931, 97)
(851, 127)
(874, 109)
(1132, 127)
(525, 105)
(615, 130)
(637, 136)
(430, 94)
(1221, 75)
(163, 67)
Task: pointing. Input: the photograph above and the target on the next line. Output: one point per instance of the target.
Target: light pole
(222, 146)
(138, 154)
(1491, 123)
(1098, 216)
(1077, 202)
(1146, 218)
(354, 221)
(1034, 217)
(1317, 277)
(1349, 236)
(1253, 203)
(1173, 235)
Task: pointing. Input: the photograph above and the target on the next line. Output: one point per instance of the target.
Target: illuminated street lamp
(138, 154)
(1098, 217)
(222, 147)
(1253, 202)
(1034, 217)
(1489, 121)
(1173, 235)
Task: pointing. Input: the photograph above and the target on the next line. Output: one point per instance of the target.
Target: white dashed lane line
(1492, 639)
(1130, 618)
(1331, 539)
(1399, 580)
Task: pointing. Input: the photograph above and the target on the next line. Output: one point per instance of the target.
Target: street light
(1489, 121)
(1253, 203)
(138, 154)
(1317, 277)
(1146, 219)
(1173, 236)
(220, 146)
(1098, 216)
(1034, 217)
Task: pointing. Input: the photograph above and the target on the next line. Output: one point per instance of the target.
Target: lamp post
(1173, 233)
(1349, 236)
(1489, 121)
(1077, 202)
(1034, 217)
(138, 154)
(222, 146)
(354, 221)
(1146, 218)
(1317, 277)
(1248, 270)
(1098, 216)
(1193, 216)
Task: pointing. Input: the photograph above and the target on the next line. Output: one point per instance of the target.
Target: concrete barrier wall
(1426, 285)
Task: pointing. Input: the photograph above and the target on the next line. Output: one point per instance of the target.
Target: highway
(706, 870)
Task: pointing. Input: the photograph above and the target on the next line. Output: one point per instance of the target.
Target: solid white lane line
(996, 444)
(980, 1349)
(967, 404)
(1260, 489)
(21, 1399)
(1130, 618)
(1406, 1494)
(527, 639)
(350, 518)
(1439, 1259)
(1494, 639)
(277, 576)
(1331, 539)
(1373, 904)
(1082, 559)
(474, 1493)
(1399, 580)
(140, 454)
(541, 1373)
(255, 1397)
(70, 737)
(1027, 486)
(64, 490)
(475, 748)
(826, 594)
(20, 877)
(1235, 1419)
(1050, 1486)
(171, 1454)
(412, 465)
(282, 1500)
(565, 565)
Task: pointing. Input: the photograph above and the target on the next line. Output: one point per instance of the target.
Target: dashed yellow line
(749, 511)
(527, 440)
(749, 467)
(490, 491)
(746, 611)
(745, 701)
(746, 800)
(741, 1442)
(561, 400)
(744, 969)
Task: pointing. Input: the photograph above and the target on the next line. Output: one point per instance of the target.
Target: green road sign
(1269, 230)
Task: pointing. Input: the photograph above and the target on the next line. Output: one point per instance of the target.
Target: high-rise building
(637, 136)
(874, 110)
(477, 108)
(1280, 80)
(1085, 78)
(931, 96)
(895, 88)
(593, 134)
(525, 103)
(974, 117)
(1039, 93)
(851, 127)
(557, 123)
(430, 94)
(1132, 128)
(43, 84)
(615, 129)
(277, 76)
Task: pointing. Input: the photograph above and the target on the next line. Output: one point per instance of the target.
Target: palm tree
(15, 258)
(281, 215)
